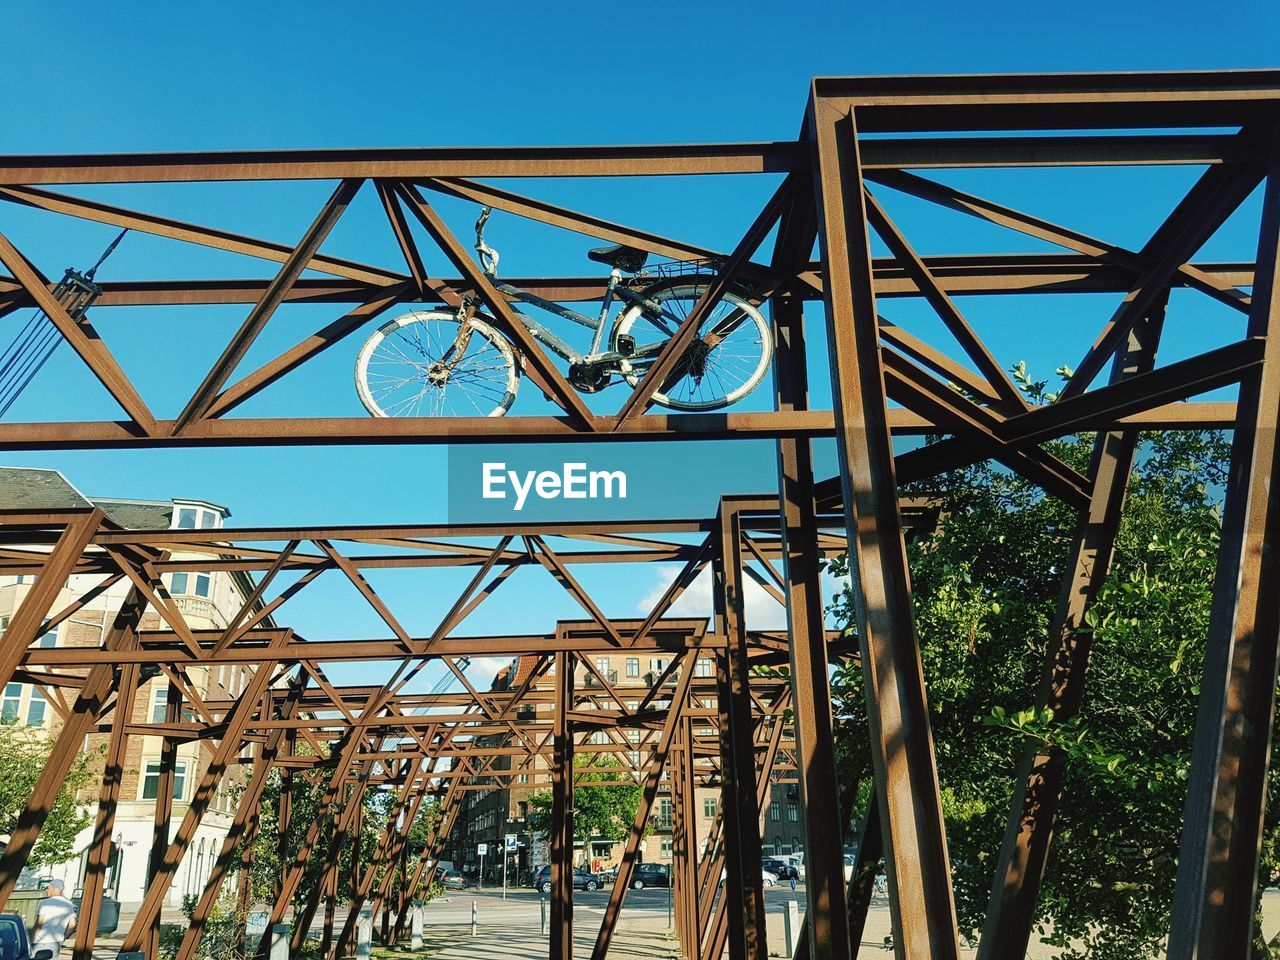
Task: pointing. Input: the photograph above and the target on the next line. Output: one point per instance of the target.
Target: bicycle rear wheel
(422, 365)
(729, 358)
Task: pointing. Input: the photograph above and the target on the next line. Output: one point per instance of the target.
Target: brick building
(206, 601)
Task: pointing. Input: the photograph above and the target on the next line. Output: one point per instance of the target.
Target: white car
(767, 879)
(850, 861)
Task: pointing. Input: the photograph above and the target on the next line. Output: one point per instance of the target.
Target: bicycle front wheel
(424, 364)
(729, 358)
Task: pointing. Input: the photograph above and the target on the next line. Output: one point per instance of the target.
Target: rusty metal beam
(1226, 793)
(922, 907)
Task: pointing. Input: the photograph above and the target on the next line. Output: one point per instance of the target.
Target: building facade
(206, 601)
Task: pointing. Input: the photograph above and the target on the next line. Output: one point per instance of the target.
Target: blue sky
(140, 77)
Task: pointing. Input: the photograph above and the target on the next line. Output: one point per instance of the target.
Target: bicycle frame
(613, 291)
(489, 263)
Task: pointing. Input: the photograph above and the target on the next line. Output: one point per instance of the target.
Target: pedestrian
(793, 882)
(54, 920)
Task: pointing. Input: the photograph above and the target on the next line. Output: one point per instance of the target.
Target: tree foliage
(599, 812)
(24, 752)
(985, 588)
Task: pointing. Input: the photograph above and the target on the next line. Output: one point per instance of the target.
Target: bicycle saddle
(627, 259)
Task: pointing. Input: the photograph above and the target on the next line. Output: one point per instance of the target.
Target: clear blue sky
(144, 77)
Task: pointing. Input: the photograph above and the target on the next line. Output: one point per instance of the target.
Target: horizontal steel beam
(113, 434)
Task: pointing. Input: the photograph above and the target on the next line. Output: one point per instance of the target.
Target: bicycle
(455, 363)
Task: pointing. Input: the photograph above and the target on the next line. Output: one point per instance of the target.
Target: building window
(12, 701)
(35, 708)
(49, 639)
(664, 813)
(633, 666)
(602, 664)
(775, 812)
(159, 702)
(666, 848)
(186, 583)
(151, 779)
(657, 664)
(704, 668)
(793, 812)
(709, 807)
(191, 518)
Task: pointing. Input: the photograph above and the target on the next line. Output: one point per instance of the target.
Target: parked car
(796, 861)
(14, 944)
(581, 880)
(850, 861)
(780, 868)
(453, 880)
(767, 879)
(650, 875)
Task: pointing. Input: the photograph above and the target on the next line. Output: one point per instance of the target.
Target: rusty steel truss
(861, 139)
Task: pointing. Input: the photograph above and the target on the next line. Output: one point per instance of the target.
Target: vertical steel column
(676, 787)
(284, 811)
(1029, 832)
(743, 884)
(164, 803)
(683, 853)
(95, 874)
(1222, 832)
(828, 934)
(922, 907)
(561, 939)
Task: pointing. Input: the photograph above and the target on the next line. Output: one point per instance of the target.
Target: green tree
(24, 752)
(985, 588)
(605, 812)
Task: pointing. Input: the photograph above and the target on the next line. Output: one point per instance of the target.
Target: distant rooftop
(31, 488)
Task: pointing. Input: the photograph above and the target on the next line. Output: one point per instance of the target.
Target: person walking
(55, 919)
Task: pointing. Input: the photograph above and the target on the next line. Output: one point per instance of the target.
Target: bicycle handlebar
(488, 256)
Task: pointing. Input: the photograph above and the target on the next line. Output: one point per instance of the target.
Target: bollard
(542, 909)
(364, 933)
(473, 918)
(791, 926)
(279, 941)
(415, 926)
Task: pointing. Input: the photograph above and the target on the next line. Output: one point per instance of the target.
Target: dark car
(650, 875)
(780, 868)
(14, 944)
(581, 880)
